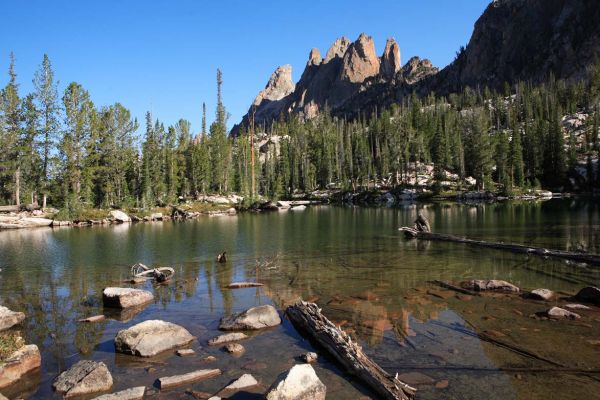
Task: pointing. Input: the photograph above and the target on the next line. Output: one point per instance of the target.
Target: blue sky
(163, 55)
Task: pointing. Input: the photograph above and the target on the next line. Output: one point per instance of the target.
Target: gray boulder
(22, 361)
(492, 284)
(84, 378)
(299, 383)
(589, 294)
(150, 338)
(120, 216)
(559, 313)
(117, 297)
(541, 294)
(9, 318)
(252, 319)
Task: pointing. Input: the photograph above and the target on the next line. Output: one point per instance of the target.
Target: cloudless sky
(163, 55)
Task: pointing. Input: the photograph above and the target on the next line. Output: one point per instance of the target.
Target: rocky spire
(416, 69)
(360, 61)
(390, 61)
(337, 49)
(280, 85)
(314, 58)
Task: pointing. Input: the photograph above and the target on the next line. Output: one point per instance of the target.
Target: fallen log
(307, 317)
(240, 285)
(588, 258)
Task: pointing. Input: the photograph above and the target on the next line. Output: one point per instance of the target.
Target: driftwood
(307, 317)
(588, 258)
(162, 274)
(240, 285)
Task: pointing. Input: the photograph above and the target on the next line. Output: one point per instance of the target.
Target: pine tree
(46, 96)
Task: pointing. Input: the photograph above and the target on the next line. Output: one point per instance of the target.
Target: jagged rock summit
(333, 82)
(513, 40)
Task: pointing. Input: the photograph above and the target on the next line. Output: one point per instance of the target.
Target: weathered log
(240, 285)
(8, 209)
(588, 258)
(307, 317)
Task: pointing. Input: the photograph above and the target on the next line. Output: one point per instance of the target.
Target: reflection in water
(351, 261)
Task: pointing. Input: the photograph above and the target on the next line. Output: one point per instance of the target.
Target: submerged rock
(541, 294)
(299, 383)
(242, 382)
(9, 318)
(589, 294)
(228, 337)
(234, 348)
(83, 378)
(118, 297)
(557, 312)
(25, 359)
(252, 319)
(150, 338)
(136, 393)
(493, 284)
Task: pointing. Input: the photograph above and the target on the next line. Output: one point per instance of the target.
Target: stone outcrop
(417, 69)
(360, 60)
(299, 383)
(9, 318)
(84, 378)
(118, 297)
(18, 364)
(391, 62)
(252, 319)
(150, 338)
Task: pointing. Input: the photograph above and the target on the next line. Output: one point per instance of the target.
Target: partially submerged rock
(309, 357)
(242, 382)
(136, 393)
(589, 294)
(252, 319)
(234, 348)
(492, 284)
(150, 338)
(22, 361)
(299, 383)
(9, 318)
(541, 294)
(557, 313)
(83, 378)
(118, 297)
(177, 380)
(576, 307)
(228, 337)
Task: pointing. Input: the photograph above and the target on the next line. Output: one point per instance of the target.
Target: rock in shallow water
(590, 294)
(252, 319)
(19, 363)
(228, 337)
(493, 284)
(299, 383)
(557, 312)
(118, 297)
(541, 294)
(152, 337)
(242, 382)
(135, 393)
(9, 318)
(83, 378)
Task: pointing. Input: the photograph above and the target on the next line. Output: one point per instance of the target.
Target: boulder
(118, 297)
(24, 360)
(136, 393)
(589, 294)
(309, 357)
(120, 216)
(156, 216)
(242, 382)
(234, 348)
(254, 318)
(299, 383)
(493, 284)
(9, 318)
(541, 294)
(558, 313)
(84, 378)
(228, 337)
(150, 338)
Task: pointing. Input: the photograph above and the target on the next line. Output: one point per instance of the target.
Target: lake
(354, 264)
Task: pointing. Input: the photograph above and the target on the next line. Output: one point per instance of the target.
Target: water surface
(351, 261)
